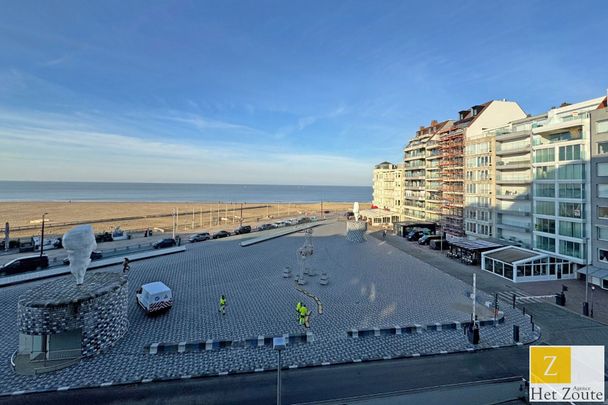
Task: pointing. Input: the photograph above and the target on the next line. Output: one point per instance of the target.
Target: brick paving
(372, 284)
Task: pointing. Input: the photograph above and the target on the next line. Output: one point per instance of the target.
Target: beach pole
(201, 217)
(177, 218)
(241, 214)
(173, 227)
(192, 218)
(267, 208)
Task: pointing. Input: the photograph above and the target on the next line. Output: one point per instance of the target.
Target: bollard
(324, 279)
(516, 333)
(514, 299)
(524, 310)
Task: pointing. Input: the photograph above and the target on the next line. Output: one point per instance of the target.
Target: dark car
(103, 237)
(414, 236)
(426, 239)
(95, 255)
(438, 244)
(199, 237)
(242, 229)
(27, 246)
(25, 264)
(164, 243)
(265, 227)
(304, 220)
(349, 214)
(221, 234)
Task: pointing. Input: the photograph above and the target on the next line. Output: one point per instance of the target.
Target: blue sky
(270, 92)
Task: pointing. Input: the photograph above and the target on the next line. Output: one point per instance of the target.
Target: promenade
(371, 285)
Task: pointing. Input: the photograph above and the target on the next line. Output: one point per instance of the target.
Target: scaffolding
(451, 166)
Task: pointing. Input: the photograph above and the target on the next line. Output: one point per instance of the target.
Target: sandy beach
(25, 217)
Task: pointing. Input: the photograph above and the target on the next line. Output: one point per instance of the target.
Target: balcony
(513, 164)
(557, 123)
(515, 227)
(513, 196)
(513, 180)
(514, 211)
(511, 136)
(505, 150)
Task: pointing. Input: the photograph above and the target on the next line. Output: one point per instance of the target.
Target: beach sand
(105, 216)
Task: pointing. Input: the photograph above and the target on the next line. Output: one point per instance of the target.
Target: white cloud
(56, 147)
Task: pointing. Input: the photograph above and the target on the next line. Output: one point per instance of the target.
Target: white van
(154, 297)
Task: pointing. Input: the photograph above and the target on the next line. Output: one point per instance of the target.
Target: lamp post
(586, 303)
(42, 235)
(279, 344)
(592, 290)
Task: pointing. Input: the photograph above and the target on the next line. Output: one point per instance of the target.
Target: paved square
(370, 285)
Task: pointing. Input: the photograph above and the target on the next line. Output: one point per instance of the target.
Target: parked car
(426, 239)
(154, 297)
(27, 246)
(415, 235)
(24, 264)
(436, 244)
(95, 255)
(221, 234)
(303, 220)
(242, 229)
(103, 237)
(349, 214)
(199, 237)
(280, 224)
(164, 243)
(265, 227)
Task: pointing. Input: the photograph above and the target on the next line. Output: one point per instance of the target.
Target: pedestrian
(384, 234)
(125, 266)
(298, 306)
(303, 314)
(222, 304)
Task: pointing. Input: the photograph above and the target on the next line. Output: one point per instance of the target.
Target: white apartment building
(480, 167)
(561, 169)
(388, 187)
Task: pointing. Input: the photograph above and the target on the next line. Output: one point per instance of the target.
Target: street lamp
(42, 235)
(279, 344)
(592, 290)
(586, 303)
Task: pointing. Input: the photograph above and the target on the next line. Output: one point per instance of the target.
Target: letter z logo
(550, 365)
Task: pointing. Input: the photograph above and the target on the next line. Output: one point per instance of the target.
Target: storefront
(522, 265)
(469, 251)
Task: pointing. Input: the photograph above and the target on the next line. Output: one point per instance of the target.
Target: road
(313, 384)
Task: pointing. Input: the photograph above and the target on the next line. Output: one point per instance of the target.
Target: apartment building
(561, 167)
(598, 268)
(513, 158)
(422, 178)
(480, 165)
(388, 187)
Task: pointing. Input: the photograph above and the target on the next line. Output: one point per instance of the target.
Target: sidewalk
(493, 284)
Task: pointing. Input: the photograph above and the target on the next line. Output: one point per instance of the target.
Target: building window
(603, 255)
(602, 233)
(545, 208)
(544, 190)
(601, 126)
(571, 210)
(602, 148)
(602, 212)
(572, 229)
(544, 173)
(544, 155)
(561, 137)
(573, 249)
(602, 168)
(572, 191)
(544, 243)
(570, 152)
(571, 172)
(545, 225)
(602, 190)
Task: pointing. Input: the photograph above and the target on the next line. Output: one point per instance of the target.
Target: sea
(161, 192)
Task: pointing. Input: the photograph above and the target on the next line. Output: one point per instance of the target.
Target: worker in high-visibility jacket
(298, 306)
(223, 304)
(303, 312)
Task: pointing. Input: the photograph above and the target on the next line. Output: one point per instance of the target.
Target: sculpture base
(355, 231)
(61, 322)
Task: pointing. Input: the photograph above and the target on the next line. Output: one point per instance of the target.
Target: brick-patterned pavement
(370, 285)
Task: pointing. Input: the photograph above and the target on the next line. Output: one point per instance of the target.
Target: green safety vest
(222, 301)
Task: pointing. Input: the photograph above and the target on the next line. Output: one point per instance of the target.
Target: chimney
(433, 123)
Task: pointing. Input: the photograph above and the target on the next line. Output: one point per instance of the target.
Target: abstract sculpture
(304, 253)
(355, 230)
(79, 242)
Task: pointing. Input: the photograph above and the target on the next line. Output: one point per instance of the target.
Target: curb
(259, 370)
(213, 344)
